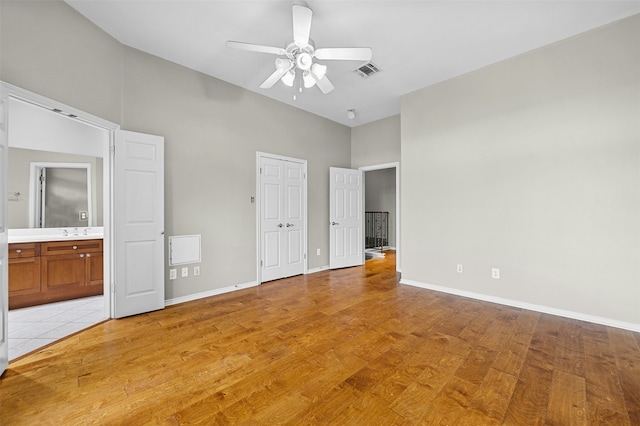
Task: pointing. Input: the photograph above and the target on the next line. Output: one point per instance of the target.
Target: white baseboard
(209, 293)
(529, 306)
(318, 269)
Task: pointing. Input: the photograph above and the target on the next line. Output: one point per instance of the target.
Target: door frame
(11, 91)
(257, 199)
(394, 165)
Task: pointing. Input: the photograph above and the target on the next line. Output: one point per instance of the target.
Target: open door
(4, 234)
(138, 208)
(345, 218)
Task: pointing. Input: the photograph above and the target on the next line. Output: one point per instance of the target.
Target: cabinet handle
(75, 247)
(18, 251)
(88, 254)
(82, 255)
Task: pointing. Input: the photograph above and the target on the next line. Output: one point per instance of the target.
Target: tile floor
(34, 327)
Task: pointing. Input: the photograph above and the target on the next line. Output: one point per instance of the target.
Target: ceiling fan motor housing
(303, 61)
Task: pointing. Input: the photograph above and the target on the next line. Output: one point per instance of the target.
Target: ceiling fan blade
(323, 84)
(281, 70)
(256, 48)
(345, 53)
(273, 78)
(301, 24)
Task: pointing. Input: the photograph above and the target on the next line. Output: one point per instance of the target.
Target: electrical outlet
(459, 268)
(173, 274)
(196, 271)
(185, 272)
(495, 273)
(317, 252)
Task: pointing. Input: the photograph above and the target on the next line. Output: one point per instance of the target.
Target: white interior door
(4, 281)
(282, 218)
(272, 218)
(346, 218)
(294, 212)
(138, 223)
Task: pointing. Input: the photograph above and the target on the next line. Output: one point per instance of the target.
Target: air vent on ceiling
(367, 70)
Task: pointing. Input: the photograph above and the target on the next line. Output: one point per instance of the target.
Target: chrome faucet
(86, 231)
(65, 233)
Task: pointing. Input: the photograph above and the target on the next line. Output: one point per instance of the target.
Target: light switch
(173, 274)
(185, 272)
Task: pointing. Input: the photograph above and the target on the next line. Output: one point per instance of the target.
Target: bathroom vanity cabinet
(45, 272)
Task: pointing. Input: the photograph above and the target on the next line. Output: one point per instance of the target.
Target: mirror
(71, 196)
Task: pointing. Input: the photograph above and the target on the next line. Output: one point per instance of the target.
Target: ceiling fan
(299, 55)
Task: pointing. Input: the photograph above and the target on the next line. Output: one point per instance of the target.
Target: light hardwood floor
(345, 347)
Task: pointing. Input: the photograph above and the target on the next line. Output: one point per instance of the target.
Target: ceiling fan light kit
(288, 78)
(300, 53)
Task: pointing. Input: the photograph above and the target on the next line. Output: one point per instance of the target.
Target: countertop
(54, 234)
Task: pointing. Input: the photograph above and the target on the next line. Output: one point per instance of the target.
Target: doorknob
(279, 225)
(335, 223)
(289, 225)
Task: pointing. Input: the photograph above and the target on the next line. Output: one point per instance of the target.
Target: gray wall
(50, 49)
(380, 196)
(212, 131)
(531, 165)
(376, 143)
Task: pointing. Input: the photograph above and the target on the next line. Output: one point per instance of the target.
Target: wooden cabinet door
(24, 276)
(94, 274)
(62, 272)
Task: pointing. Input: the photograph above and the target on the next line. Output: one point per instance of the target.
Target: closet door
(272, 218)
(293, 218)
(282, 218)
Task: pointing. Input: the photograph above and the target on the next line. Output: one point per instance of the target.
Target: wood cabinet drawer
(71, 247)
(22, 250)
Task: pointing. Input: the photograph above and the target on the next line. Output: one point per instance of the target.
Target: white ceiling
(415, 43)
